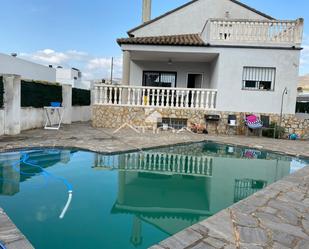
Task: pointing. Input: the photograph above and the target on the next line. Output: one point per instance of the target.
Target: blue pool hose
(46, 174)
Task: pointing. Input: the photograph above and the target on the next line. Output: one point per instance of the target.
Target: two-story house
(215, 56)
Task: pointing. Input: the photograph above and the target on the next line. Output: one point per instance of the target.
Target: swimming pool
(129, 200)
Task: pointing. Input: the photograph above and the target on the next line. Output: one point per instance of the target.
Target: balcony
(161, 97)
(253, 32)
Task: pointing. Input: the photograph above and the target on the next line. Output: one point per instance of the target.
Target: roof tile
(175, 40)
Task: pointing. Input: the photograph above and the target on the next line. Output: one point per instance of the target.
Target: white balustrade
(254, 31)
(155, 97)
(159, 162)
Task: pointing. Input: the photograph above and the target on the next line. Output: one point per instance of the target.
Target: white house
(71, 76)
(244, 55)
(11, 64)
(26, 69)
(218, 56)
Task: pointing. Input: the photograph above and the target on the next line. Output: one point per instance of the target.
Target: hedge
(1, 92)
(302, 107)
(39, 94)
(80, 97)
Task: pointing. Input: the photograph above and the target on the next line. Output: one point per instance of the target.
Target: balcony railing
(155, 97)
(259, 32)
(159, 163)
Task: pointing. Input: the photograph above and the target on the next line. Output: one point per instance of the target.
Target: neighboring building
(72, 76)
(303, 83)
(238, 59)
(10, 64)
(302, 105)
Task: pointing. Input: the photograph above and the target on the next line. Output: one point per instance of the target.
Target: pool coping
(218, 229)
(10, 235)
(106, 152)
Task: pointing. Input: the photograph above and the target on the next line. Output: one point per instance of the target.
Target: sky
(83, 33)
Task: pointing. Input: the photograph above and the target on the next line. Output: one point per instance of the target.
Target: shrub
(80, 97)
(39, 94)
(274, 131)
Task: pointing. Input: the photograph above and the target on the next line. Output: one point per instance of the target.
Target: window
(159, 79)
(176, 123)
(259, 78)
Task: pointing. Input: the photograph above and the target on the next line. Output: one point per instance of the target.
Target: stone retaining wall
(114, 116)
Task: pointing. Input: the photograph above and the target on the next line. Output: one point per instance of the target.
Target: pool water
(131, 200)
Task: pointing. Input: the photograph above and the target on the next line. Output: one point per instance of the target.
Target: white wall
(214, 69)
(64, 75)
(26, 69)
(32, 118)
(81, 113)
(14, 118)
(191, 19)
(182, 69)
(1, 122)
(231, 97)
(67, 75)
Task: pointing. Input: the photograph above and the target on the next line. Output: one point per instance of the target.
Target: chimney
(146, 10)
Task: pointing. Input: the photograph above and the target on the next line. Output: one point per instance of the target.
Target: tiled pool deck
(276, 217)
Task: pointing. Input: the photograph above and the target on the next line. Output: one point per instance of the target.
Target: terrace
(286, 194)
(253, 32)
(155, 97)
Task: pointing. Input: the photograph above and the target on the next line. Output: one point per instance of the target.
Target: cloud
(92, 67)
(50, 56)
(100, 64)
(304, 59)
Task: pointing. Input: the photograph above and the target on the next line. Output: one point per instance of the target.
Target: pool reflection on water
(134, 199)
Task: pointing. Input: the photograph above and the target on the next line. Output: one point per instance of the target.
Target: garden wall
(115, 116)
(1, 107)
(81, 113)
(32, 118)
(24, 102)
(1, 122)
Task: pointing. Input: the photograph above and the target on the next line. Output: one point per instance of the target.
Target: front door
(194, 81)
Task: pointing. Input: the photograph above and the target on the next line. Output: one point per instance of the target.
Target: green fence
(80, 97)
(39, 94)
(1, 92)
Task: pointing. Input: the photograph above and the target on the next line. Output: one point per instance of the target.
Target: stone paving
(83, 136)
(276, 217)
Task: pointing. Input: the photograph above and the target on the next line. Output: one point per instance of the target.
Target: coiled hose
(25, 160)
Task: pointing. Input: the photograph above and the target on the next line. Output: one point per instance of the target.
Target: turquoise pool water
(131, 200)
